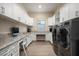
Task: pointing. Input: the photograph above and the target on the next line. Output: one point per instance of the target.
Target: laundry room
(39, 29)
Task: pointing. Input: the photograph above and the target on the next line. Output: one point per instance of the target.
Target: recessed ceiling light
(39, 6)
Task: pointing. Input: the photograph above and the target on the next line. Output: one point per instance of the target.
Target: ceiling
(46, 7)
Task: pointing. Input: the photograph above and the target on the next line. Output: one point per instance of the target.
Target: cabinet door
(23, 17)
(64, 13)
(16, 12)
(50, 21)
(76, 9)
(8, 11)
(2, 8)
(73, 10)
(31, 21)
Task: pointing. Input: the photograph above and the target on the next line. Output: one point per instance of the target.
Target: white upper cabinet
(73, 10)
(30, 22)
(15, 12)
(51, 21)
(19, 14)
(64, 13)
(69, 11)
(7, 9)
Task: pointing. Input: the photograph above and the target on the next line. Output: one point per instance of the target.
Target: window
(41, 25)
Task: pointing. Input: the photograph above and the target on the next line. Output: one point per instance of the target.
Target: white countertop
(13, 40)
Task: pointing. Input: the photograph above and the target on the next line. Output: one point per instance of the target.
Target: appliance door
(63, 33)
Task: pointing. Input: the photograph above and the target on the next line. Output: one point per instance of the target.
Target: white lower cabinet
(29, 39)
(10, 50)
(13, 49)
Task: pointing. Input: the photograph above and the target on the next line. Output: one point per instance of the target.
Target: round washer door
(63, 32)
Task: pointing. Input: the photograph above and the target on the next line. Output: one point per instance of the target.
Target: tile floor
(40, 48)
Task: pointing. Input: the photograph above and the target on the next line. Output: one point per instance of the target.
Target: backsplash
(5, 33)
(6, 25)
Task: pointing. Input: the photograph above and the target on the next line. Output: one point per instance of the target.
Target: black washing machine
(69, 38)
(64, 39)
(75, 36)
